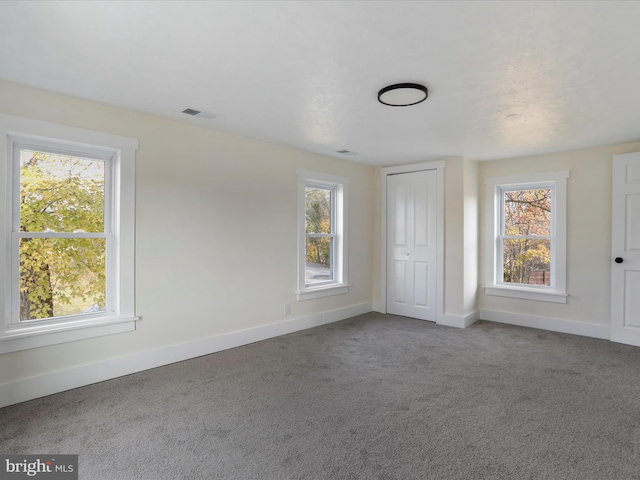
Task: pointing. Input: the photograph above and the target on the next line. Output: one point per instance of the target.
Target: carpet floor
(372, 397)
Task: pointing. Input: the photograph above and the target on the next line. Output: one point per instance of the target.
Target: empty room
(319, 240)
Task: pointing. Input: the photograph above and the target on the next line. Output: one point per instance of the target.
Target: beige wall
(471, 240)
(377, 234)
(588, 232)
(460, 241)
(454, 236)
(461, 237)
(215, 231)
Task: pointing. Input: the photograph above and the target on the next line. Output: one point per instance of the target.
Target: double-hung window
(322, 265)
(527, 221)
(69, 218)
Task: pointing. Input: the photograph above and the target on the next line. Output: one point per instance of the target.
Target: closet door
(411, 244)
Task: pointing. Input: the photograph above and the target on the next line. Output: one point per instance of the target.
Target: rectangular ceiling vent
(197, 113)
(345, 152)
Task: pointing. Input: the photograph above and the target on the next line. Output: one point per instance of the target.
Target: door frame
(438, 166)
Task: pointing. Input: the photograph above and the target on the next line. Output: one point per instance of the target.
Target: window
(527, 219)
(322, 265)
(61, 232)
(70, 205)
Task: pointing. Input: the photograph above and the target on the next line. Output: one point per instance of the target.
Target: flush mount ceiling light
(403, 94)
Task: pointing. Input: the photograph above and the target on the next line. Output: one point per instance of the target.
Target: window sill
(33, 336)
(526, 293)
(323, 291)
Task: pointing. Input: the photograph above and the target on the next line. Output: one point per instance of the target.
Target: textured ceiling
(505, 79)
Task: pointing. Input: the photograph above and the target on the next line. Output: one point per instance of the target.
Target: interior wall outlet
(287, 309)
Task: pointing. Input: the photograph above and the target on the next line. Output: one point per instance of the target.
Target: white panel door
(625, 265)
(411, 244)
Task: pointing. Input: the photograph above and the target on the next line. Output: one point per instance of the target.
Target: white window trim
(16, 336)
(557, 292)
(340, 283)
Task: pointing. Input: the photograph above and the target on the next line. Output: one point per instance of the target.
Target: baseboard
(459, 321)
(40, 386)
(547, 323)
(377, 306)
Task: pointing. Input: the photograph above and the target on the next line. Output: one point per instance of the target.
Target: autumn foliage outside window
(70, 234)
(526, 233)
(62, 244)
(320, 234)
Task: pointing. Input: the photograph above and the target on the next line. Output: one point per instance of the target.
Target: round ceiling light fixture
(403, 94)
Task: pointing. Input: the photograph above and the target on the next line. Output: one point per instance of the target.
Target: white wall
(587, 310)
(215, 233)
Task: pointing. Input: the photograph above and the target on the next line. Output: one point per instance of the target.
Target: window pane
(60, 193)
(318, 210)
(61, 276)
(318, 260)
(527, 212)
(526, 261)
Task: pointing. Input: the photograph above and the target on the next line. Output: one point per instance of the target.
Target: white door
(625, 258)
(411, 244)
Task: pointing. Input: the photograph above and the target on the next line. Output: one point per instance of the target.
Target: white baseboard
(547, 323)
(35, 387)
(459, 321)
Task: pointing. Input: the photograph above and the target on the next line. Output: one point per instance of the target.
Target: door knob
(619, 260)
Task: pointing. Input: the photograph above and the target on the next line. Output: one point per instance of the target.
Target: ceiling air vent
(198, 113)
(345, 152)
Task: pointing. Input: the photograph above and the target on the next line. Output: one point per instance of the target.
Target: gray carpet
(373, 397)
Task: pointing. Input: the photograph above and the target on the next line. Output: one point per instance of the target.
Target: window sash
(332, 273)
(51, 147)
(333, 196)
(500, 236)
(88, 143)
(333, 235)
(18, 145)
(502, 191)
(557, 180)
(338, 188)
